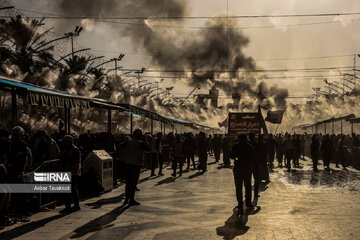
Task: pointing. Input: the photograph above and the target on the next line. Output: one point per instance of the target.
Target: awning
(36, 95)
(348, 117)
(140, 111)
(99, 103)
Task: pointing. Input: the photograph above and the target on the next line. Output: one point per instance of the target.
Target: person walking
(289, 151)
(202, 151)
(190, 147)
(314, 147)
(226, 151)
(270, 149)
(216, 145)
(135, 149)
(243, 155)
(179, 154)
(327, 149)
(70, 159)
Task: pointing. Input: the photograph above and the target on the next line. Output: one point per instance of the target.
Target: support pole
(152, 126)
(109, 121)
(65, 119)
(352, 128)
(325, 128)
(164, 128)
(13, 108)
(341, 128)
(69, 121)
(333, 129)
(131, 124)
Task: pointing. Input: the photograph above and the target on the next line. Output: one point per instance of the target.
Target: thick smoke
(202, 54)
(199, 55)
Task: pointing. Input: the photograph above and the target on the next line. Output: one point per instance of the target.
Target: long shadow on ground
(29, 227)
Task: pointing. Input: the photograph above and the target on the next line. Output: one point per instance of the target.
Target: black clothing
(314, 148)
(226, 152)
(131, 177)
(327, 150)
(241, 179)
(216, 144)
(190, 147)
(17, 158)
(74, 193)
(270, 147)
(202, 151)
(243, 155)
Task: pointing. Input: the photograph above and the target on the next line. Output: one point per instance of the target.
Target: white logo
(51, 177)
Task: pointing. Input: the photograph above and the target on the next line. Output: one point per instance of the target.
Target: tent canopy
(36, 95)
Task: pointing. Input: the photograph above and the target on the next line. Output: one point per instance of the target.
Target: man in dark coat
(135, 149)
(341, 152)
(260, 171)
(226, 151)
(243, 155)
(190, 148)
(297, 150)
(17, 158)
(270, 147)
(202, 151)
(314, 147)
(70, 158)
(327, 149)
(179, 155)
(216, 144)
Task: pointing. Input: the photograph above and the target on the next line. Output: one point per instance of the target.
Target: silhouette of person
(135, 149)
(314, 147)
(243, 154)
(327, 150)
(226, 151)
(202, 151)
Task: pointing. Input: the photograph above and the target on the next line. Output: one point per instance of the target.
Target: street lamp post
(76, 33)
(138, 73)
(115, 60)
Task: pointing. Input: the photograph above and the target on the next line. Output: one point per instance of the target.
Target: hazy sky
(330, 39)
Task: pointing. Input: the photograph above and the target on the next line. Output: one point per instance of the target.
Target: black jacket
(243, 155)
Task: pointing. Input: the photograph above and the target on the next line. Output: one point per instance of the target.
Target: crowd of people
(253, 155)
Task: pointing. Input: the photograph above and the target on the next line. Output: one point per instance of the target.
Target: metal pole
(65, 119)
(109, 120)
(138, 79)
(341, 128)
(131, 123)
(69, 121)
(333, 128)
(164, 128)
(352, 128)
(152, 126)
(72, 46)
(325, 127)
(13, 108)
(115, 68)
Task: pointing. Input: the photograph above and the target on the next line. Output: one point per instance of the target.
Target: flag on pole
(275, 116)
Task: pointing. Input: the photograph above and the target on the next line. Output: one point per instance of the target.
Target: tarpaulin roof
(139, 111)
(43, 96)
(348, 117)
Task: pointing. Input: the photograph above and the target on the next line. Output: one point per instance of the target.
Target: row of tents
(40, 96)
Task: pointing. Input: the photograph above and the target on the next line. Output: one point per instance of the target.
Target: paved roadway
(297, 205)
